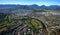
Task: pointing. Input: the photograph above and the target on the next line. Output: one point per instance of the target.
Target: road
(25, 24)
(21, 26)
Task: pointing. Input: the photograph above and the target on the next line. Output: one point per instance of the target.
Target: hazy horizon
(30, 2)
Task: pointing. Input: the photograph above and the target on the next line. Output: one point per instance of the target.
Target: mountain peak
(34, 5)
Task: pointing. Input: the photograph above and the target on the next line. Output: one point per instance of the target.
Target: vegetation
(8, 21)
(35, 25)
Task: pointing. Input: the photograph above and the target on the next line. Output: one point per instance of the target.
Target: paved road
(18, 27)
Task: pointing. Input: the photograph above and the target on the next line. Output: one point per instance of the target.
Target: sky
(30, 2)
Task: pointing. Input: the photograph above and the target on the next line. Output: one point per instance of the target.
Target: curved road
(19, 27)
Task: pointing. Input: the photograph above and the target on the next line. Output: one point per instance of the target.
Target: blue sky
(30, 2)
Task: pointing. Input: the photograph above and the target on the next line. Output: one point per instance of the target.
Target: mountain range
(34, 6)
